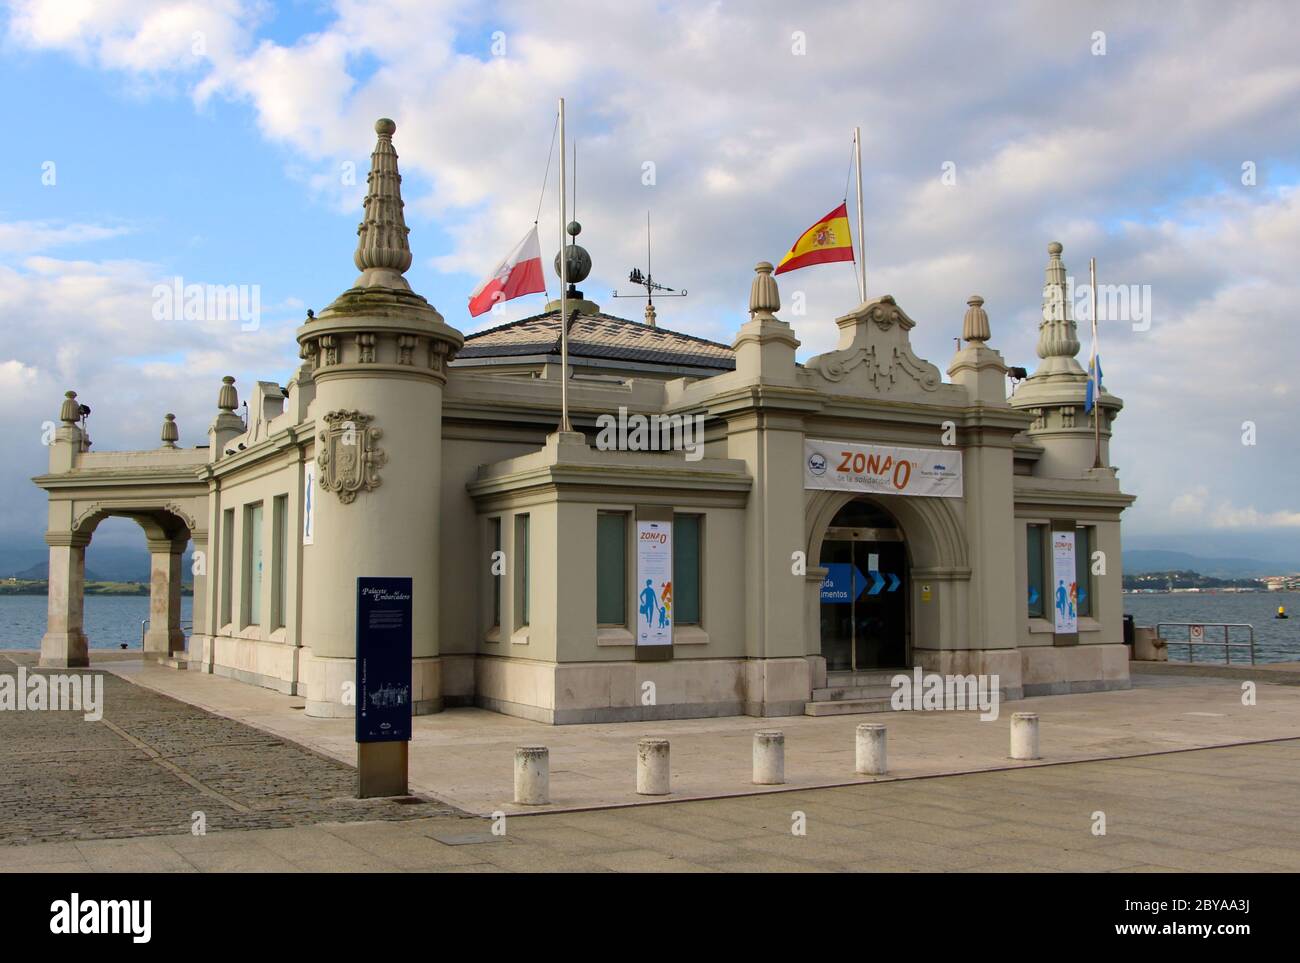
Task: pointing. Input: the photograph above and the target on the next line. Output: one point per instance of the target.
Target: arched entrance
(865, 597)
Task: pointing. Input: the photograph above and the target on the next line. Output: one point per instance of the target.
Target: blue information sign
(843, 583)
(383, 659)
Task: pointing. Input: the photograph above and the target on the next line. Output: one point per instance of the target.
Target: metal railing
(187, 626)
(1196, 637)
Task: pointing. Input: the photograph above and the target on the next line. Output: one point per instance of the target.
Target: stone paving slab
(465, 756)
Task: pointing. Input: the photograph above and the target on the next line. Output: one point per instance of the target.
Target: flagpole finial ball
(384, 126)
(1055, 248)
(573, 229)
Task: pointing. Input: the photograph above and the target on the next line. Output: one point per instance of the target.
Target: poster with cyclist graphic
(654, 583)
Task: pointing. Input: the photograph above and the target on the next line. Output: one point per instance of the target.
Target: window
(1083, 569)
(279, 541)
(227, 549)
(686, 569)
(611, 568)
(494, 564)
(1035, 542)
(252, 569)
(521, 570)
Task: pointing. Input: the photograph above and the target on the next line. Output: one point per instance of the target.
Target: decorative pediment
(875, 353)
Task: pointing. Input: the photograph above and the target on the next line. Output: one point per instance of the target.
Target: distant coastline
(21, 586)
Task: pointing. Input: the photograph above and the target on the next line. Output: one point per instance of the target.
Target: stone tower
(1054, 394)
(377, 357)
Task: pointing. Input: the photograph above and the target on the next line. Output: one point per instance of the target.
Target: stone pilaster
(64, 644)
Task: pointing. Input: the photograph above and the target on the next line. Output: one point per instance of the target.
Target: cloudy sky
(215, 141)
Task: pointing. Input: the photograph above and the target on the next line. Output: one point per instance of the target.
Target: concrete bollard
(653, 776)
(1024, 735)
(532, 775)
(871, 759)
(769, 758)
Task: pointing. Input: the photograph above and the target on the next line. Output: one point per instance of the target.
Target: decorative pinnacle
(383, 251)
(227, 397)
(1057, 334)
(975, 325)
(70, 411)
(764, 298)
(650, 314)
(170, 433)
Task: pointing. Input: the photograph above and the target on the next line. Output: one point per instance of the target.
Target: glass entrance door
(864, 599)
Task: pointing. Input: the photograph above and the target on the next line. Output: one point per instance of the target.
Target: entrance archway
(865, 615)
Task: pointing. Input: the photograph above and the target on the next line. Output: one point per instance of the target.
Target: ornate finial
(70, 411)
(1058, 336)
(650, 313)
(170, 433)
(764, 298)
(227, 397)
(579, 265)
(975, 325)
(383, 252)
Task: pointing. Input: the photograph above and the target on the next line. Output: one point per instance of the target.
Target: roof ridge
(547, 315)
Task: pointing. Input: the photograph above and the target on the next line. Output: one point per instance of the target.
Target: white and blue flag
(1094, 375)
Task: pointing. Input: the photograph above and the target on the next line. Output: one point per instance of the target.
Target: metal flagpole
(564, 291)
(1096, 381)
(862, 241)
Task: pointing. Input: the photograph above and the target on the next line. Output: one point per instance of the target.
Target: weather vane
(647, 280)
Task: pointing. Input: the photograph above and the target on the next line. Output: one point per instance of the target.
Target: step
(863, 677)
(840, 693)
(846, 707)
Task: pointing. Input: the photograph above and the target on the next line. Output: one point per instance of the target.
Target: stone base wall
(1037, 670)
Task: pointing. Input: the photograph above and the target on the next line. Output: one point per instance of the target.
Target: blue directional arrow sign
(843, 583)
(877, 583)
(894, 582)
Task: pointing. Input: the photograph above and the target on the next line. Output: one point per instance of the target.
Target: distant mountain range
(1139, 560)
(104, 563)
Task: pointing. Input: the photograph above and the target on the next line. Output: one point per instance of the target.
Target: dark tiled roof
(598, 336)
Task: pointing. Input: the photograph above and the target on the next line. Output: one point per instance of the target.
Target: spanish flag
(827, 240)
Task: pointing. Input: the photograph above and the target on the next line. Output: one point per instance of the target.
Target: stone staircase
(847, 693)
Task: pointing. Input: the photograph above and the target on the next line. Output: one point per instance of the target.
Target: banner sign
(309, 504)
(882, 469)
(1065, 591)
(654, 583)
(383, 693)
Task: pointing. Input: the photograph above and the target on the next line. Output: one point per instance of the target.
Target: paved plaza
(275, 788)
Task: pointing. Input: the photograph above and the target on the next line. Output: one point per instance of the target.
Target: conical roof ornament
(975, 325)
(70, 410)
(764, 298)
(227, 397)
(170, 433)
(383, 251)
(1058, 336)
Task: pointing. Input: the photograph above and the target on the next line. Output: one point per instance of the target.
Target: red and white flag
(519, 274)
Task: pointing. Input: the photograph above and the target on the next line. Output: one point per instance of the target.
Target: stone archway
(937, 550)
(167, 529)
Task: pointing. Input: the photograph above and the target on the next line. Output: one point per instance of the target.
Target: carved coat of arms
(346, 456)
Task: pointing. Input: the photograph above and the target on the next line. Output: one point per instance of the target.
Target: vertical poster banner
(1065, 588)
(654, 583)
(383, 696)
(309, 504)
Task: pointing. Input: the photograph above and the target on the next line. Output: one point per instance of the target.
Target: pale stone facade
(389, 453)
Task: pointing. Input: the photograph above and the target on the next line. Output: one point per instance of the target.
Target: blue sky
(226, 167)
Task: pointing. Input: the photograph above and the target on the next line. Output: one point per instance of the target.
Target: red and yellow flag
(827, 240)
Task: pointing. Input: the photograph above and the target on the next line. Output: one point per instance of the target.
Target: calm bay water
(1276, 640)
(110, 619)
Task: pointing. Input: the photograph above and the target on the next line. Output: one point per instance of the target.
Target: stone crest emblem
(347, 458)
